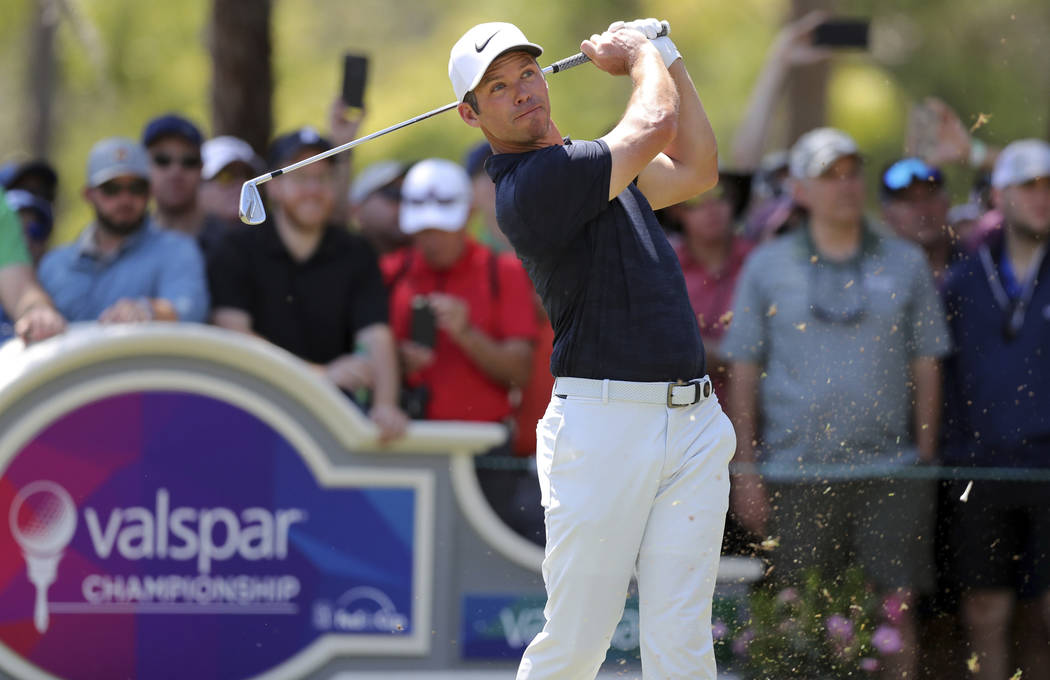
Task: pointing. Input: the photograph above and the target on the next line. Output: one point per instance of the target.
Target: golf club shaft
(351, 144)
(556, 67)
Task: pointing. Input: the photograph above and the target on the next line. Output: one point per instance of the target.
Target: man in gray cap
(124, 268)
(834, 346)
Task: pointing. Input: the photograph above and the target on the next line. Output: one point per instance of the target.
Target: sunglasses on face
(139, 187)
(431, 197)
(163, 160)
(836, 295)
(904, 172)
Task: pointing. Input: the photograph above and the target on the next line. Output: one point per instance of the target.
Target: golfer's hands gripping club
(615, 52)
(658, 32)
(581, 58)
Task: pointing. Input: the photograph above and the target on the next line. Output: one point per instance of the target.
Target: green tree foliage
(122, 62)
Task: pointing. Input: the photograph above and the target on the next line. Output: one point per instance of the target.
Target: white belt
(674, 395)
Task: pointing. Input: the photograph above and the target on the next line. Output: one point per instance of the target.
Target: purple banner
(170, 534)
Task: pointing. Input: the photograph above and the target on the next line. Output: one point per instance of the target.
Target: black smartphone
(842, 33)
(424, 326)
(355, 73)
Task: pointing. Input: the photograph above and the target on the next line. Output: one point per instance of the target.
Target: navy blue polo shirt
(997, 382)
(609, 280)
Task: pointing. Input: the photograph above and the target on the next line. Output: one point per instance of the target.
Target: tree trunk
(40, 76)
(242, 75)
(808, 86)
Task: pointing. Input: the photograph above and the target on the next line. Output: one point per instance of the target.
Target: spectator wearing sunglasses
(834, 347)
(174, 147)
(124, 267)
(915, 205)
(228, 162)
(463, 316)
(999, 407)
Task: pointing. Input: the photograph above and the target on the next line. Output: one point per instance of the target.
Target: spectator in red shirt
(480, 343)
(481, 302)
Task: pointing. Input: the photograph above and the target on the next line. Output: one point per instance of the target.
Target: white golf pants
(630, 488)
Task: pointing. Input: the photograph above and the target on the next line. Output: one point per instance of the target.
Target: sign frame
(327, 474)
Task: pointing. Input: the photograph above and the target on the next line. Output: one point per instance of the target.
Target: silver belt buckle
(701, 389)
(670, 394)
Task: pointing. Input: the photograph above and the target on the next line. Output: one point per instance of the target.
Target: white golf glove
(651, 29)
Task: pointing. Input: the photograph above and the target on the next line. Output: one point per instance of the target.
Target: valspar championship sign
(179, 535)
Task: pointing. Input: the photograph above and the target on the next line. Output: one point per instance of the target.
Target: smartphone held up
(355, 76)
(842, 34)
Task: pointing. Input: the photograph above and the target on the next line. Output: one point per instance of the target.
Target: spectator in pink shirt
(711, 255)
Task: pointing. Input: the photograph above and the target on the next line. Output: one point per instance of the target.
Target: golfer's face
(513, 100)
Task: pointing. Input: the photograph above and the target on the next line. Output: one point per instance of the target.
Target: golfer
(633, 449)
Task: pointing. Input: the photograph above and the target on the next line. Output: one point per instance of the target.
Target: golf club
(251, 208)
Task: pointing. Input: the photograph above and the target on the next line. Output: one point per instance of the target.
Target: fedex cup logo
(174, 534)
(43, 519)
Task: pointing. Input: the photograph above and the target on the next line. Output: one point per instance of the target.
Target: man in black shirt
(309, 287)
(633, 450)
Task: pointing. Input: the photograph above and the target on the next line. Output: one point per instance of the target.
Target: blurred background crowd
(873, 294)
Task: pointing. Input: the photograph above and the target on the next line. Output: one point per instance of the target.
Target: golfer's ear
(466, 112)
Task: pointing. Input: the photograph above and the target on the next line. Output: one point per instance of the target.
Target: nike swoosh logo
(483, 45)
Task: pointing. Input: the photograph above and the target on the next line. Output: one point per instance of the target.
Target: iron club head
(251, 209)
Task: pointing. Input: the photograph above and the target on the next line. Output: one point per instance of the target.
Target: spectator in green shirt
(21, 297)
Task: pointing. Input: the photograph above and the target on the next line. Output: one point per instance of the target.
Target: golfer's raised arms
(648, 124)
(674, 159)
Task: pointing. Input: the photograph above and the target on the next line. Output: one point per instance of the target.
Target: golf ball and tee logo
(43, 519)
(172, 534)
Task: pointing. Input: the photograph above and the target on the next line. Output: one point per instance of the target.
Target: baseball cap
(375, 177)
(816, 150)
(292, 144)
(219, 152)
(905, 172)
(171, 125)
(436, 194)
(20, 199)
(1020, 162)
(480, 46)
(114, 157)
(14, 172)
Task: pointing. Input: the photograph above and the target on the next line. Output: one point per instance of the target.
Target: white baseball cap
(436, 194)
(815, 151)
(219, 152)
(1020, 162)
(479, 47)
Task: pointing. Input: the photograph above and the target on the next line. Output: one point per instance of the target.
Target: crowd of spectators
(862, 356)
